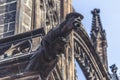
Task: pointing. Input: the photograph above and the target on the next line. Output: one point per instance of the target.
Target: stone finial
(95, 11)
(114, 68)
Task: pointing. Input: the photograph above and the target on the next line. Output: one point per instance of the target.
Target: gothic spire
(98, 37)
(96, 22)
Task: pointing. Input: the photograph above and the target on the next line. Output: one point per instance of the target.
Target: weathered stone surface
(7, 7)
(8, 33)
(26, 20)
(5, 22)
(7, 17)
(12, 26)
(6, 1)
(1, 29)
(27, 10)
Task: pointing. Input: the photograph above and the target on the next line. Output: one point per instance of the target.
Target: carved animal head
(73, 20)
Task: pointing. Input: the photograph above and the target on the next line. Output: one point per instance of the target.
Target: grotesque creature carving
(45, 58)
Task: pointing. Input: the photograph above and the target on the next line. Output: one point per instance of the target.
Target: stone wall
(24, 16)
(7, 17)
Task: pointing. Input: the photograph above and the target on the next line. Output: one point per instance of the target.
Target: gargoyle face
(70, 24)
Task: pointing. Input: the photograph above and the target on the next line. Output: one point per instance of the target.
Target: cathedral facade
(24, 23)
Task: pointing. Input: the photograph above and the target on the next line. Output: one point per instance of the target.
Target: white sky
(110, 18)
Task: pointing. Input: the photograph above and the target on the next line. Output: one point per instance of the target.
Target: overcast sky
(110, 17)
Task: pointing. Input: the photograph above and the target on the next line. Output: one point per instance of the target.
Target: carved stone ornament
(45, 58)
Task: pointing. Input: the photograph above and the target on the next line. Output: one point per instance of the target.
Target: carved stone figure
(45, 58)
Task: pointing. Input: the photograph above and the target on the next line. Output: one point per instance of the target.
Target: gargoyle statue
(45, 58)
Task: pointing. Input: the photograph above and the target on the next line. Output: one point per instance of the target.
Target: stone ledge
(23, 76)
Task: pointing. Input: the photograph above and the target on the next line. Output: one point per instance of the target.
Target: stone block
(11, 7)
(8, 33)
(2, 9)
(11, 26)
(5, 1)
(5, 27)
(1, 29)
(27, 10)
(7, 17)
(26, 20)
(7, 8)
